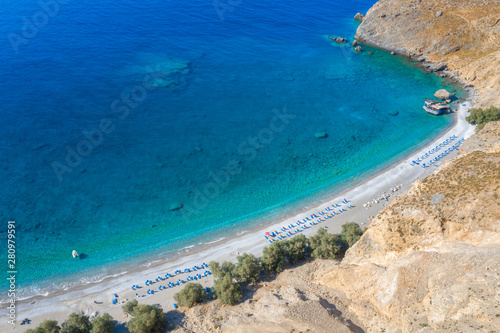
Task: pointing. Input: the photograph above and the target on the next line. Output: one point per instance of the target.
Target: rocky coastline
(459, 40)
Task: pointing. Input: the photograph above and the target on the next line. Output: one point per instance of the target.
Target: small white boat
(75, 254)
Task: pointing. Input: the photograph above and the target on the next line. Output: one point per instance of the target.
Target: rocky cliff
(459, 37)
(430, 261)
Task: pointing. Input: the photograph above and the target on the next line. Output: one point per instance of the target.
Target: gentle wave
(35, 290)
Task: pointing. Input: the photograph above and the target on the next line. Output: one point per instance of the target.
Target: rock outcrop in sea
(442, 94)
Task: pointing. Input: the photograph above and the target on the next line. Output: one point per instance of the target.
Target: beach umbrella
(267, 233)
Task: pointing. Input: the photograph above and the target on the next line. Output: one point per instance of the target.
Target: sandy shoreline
(81, 299)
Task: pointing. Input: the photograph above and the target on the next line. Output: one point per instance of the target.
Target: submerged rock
(320, 135)
(442, 94)
(393, 113)
(175, 206)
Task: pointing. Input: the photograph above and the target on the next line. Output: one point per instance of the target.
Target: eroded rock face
(430, 261)
(448, 289)
(462, 34)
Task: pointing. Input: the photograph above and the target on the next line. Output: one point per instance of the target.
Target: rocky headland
(457, 38)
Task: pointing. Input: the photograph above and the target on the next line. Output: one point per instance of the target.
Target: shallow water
(216, 111)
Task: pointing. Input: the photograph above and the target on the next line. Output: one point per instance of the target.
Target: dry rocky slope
(430, 262)
(460, 37)
(290, 303)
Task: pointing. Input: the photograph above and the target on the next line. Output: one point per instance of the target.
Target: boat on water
(74, 254)
(436, 108)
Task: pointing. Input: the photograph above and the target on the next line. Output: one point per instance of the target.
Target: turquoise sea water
(113, 112)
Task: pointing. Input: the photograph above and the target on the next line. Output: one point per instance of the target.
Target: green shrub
(227, 291)
(351, 232)
(47, 326)
(191, 294)
(103, 324)
(130, 306)
(247, 269)
(295, 248)
(145, 318)
(76, 323)
(220, 270)
(326, 246)
(482, 116)
(273, 258)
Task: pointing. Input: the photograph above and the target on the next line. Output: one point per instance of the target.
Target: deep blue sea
(113, 112)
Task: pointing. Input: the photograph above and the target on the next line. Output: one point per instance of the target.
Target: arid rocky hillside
(463, 35)
(430, 261)
(290, 303)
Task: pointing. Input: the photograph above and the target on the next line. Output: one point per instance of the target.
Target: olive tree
(47, 326)
(247, 268)
(191, 294)
(273, 258)
(351, 233)
(325, 245)
(76, 323)
(103, 324)
(219, 270)
(145, 318)
(227, 291)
